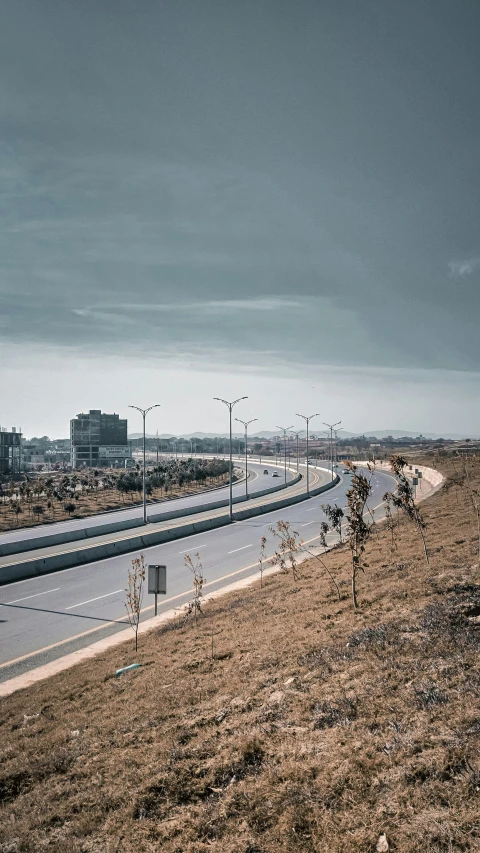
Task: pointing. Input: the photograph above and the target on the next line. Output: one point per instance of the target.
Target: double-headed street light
(307, 419)
(297, 434)
(230, 407)
(284, 430)
(144, 413)
(331, 428)
(246, 425)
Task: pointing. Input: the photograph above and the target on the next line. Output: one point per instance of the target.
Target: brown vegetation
(56, 497)
(310, 728)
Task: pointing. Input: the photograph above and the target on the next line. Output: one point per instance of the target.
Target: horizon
(277, 201)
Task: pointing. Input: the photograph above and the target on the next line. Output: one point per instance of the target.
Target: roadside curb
(61, 664)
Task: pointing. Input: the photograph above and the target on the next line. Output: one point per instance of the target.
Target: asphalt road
(46, 617)
(257, 481)
(114, 539)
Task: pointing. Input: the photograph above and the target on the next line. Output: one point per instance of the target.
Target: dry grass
(311, 729)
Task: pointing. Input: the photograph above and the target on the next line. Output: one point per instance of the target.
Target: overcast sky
(267, 198)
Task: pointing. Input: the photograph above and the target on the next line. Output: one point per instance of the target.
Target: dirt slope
(312, 728)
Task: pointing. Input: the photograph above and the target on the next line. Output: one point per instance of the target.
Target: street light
(331, 428)
(297, 434)
(336, 431)
(230, 407)
(246, 425)
(285, 430)
(307, 420)
(144, 413)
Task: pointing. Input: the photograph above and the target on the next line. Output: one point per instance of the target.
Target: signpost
(157, 582)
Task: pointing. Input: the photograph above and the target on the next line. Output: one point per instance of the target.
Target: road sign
(157, 582)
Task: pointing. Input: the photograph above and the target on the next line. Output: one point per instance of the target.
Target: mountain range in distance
(379, 433)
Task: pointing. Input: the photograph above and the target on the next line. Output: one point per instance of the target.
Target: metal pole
(307, 420)
(144, 413)
(246, 424)
(297, 434)
(230, 407)
(331, 428)
(144, 476)
(285, 430)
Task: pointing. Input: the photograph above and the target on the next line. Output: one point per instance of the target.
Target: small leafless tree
(134, 590)
(359, 529)
(262, 558)
(391, 524)
(404, 499)
(473, 494)
(335, 516)
(288, 548)
(195, 605)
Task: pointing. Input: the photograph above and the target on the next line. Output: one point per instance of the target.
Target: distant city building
(98, 440)
(10, 451)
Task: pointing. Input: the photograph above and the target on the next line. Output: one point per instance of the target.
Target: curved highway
(256, 482)
(46, 617)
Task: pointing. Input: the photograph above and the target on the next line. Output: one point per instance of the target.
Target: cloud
(459, 269)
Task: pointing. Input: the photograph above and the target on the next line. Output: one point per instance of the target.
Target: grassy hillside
(311, 728)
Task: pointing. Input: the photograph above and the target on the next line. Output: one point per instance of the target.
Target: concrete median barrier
(91, 553)
(21, 546)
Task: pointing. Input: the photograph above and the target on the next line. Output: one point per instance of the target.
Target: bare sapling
(358, 530)
(196, 604)
(335, 516)
(286, 555)
(288, 548)
(391, 524)
(404, 499)
(473, 495)
(262, 558)
(133, 604)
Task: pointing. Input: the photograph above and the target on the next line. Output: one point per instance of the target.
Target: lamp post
(246, 425)
(297, 434)
(331, 428)
(307, 420)
(336, 431)
(230, 407)
(144, 413)
(284, 430)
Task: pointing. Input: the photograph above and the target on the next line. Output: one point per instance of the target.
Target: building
(10, 451)
(98, 440)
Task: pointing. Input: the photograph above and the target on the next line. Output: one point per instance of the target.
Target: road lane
(257, 481)
(29, 627)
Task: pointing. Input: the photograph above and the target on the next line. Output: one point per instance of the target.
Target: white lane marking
(311, 510)
(32, 596)
(308, 522)
(193, 548)
(72, 606)
(240, 549)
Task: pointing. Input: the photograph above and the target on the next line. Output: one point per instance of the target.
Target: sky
(262, 198)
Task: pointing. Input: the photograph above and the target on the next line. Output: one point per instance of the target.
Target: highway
(46, 617)
(53, 556)
(256, 482)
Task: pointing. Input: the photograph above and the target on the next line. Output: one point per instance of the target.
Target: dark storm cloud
(278, 179)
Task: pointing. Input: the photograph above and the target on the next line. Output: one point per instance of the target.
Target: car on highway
(266, 471)
(275, 474)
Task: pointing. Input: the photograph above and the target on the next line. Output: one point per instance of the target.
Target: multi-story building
(98, 440)
(10, 451)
